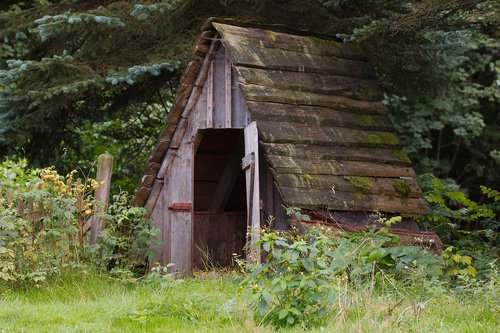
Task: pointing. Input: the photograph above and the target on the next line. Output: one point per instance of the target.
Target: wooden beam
(210, 96)
(253, 190)
(228, 85)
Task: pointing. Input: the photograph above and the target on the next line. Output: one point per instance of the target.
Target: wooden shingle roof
(322, 126)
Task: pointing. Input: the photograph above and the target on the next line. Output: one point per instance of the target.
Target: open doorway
(219, 199)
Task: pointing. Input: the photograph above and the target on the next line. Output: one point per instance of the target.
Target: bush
(39, 211)
(296, 283)
(128, 236)
(469, 228)
(42, 215)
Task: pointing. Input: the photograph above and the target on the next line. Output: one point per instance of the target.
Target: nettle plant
(41, 215)
(128, 236)
(298, 281)
(293, 285)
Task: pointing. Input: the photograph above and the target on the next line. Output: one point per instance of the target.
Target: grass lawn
(87, 302)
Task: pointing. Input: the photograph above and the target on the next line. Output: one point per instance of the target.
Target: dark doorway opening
(219, 199)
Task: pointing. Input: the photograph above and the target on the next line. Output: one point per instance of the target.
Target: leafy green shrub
(470, 228)
(39, 233)
(295, 284)
(128, 235)
(42, 217)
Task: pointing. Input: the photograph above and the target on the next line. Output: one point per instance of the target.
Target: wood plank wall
(219, 92)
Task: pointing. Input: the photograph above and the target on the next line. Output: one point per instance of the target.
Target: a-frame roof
(322, 125)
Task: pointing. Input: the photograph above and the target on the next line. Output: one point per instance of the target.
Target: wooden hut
(268, 118)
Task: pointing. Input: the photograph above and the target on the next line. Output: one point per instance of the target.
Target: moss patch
(272, 35)
(402, 156)
(379, 139)
(402, 187)
(361, 184)
(366, 120)
(321, 41)
(359, 196)
(306, 177)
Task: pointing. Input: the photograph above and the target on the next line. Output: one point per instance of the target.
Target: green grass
(88, 302)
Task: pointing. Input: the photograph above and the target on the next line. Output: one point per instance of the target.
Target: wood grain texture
(180, 189)
(320, 83)
(229, 238)
(362, 154)
(341, 184)
(258, 93)
(253, 189)
(284, 60)
(318, 116)
(284, 132)
(318, 113)
(269, 38)
(320, 198)
(286, 164)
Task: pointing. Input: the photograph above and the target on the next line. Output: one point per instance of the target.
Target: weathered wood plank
(355, 88)
(147, 180)
(380, 155)
(239, 111)
(158, 217)
(141, 194)
(210, 96)
(219, 91)
(284, 132)
(228, 77)
(394, 187)
(203, 43)
(274, 39)
(318, 116)
(183, 92)
(313, 198)
(181, 190)
(153, 194)
(285, 164)
(255, 55)
(253, 190)
(159, 150)
(179, 133)
(166, 195)
(258, 93)
(221, 245)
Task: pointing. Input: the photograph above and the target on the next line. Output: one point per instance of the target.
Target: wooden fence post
(103, 177)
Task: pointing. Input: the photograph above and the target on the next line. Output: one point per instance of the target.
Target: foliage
(292, 286)
(71, 67)
(457, 264)
(42, 215)
(295, 283)
(39, 211)
(445, 117)
(469, 227)
(128, 236)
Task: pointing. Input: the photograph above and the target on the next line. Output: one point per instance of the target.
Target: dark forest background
(78, 78)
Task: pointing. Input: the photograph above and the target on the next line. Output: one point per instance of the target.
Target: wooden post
(103, 177)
